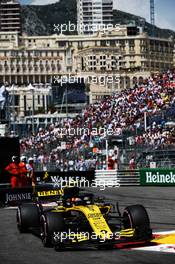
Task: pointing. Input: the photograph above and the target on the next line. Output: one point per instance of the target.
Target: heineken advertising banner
(161, 177)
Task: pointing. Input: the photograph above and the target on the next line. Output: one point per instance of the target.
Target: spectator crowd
(63, 145)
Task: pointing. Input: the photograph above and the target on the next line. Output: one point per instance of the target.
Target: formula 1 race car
(71, 217)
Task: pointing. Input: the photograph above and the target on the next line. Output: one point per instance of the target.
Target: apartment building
(94, 15)
(46, 59)
(10, 16)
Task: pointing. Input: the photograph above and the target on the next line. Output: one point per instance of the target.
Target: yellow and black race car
(73, 217)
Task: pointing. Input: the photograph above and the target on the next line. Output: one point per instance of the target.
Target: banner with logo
(16, 196)
(67, 178)
(160, 177)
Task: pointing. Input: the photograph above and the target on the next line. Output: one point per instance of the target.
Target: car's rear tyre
(28, 216)
(52, 224)
(136, 217)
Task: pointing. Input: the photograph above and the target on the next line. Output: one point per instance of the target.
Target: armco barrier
(106, 177)
(129, 178)
(123, 178)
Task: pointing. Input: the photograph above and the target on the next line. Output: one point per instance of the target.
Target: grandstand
(122, 113)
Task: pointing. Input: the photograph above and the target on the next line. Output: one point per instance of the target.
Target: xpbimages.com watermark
(100, 80)
(82, 236)
(85, 131)
(82, 182)
(90, 28)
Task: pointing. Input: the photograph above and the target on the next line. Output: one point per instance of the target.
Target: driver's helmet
(68, 202)
(87, 200)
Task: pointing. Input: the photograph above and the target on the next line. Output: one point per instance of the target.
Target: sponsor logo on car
(50, 193)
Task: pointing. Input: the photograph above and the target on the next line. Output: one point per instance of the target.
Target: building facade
(93, 15)
(28, 100)
(10, 16)
(49, 59)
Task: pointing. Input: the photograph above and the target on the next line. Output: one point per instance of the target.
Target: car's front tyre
(27, 216)
(136, 217)
(52, 227)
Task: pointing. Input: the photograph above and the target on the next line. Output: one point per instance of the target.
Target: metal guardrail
(106, 177)
(128, 178)
(124, 178)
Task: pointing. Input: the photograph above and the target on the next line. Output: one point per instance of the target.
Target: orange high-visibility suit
(14, 170)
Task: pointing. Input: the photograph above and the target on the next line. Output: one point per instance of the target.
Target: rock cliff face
(40, 20)
(31, 24)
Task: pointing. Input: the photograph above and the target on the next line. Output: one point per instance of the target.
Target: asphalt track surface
(18, 248)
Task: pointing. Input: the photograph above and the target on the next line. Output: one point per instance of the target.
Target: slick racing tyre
(52, 224)
(28, 216)
(136, 217)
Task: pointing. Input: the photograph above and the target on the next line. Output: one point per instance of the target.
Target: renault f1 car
(71, 217)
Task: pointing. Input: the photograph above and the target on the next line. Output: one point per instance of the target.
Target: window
(61, 44)
(39, 99)
(13, 53)
(36, 53)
